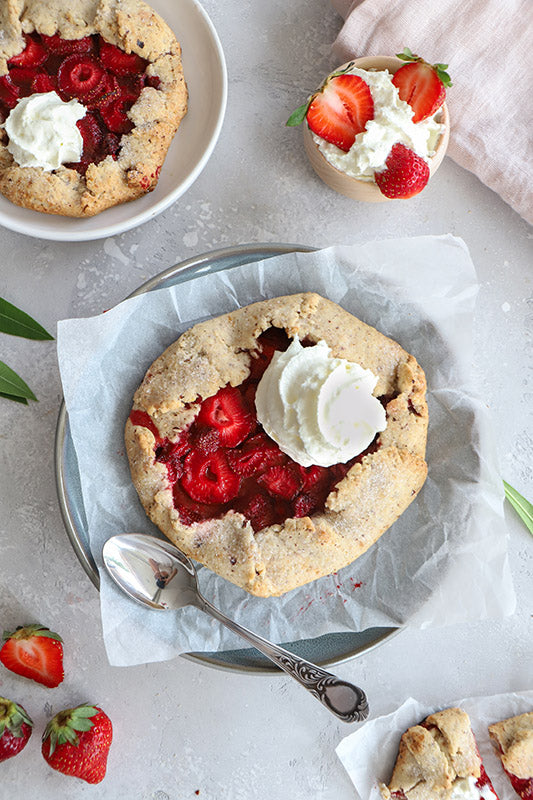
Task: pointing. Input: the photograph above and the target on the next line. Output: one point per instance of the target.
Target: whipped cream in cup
(42, 131)
(318, 408)
(392, 123)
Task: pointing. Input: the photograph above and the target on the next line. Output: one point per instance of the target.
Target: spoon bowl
(159, 576)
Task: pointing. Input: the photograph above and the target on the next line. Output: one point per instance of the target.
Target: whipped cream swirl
(42, 131)
(319, 409)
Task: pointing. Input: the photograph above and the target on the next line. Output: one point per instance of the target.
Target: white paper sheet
(443, 561)
(369, 754)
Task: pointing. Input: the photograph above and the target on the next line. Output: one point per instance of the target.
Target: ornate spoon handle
(346, 701)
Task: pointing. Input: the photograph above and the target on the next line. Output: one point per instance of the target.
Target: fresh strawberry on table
(35, 652)
(76, 742)
(15, 728)
(422, 85)
(340, 110)
(405, 173)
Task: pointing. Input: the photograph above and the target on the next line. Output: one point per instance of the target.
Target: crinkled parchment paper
(443, 561)
(369, 754)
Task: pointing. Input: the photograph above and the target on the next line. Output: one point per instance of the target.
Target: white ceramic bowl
(204, 67)
(352, 187)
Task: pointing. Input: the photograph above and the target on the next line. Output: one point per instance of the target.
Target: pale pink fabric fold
(488, 45)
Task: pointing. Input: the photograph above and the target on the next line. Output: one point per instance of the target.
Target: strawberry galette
(91, 95)
(276, 443)
(513, 739)
(439, 760)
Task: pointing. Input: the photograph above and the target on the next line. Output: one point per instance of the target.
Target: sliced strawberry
(92, 136)
(114, 112)
(34, 652)
(255, 456)
(205, 440)
(422, 85)
(23, 76)
(15, 728)
(43, 83)
(153, 80)
(227, 413)
(260, 511)
(103, 93)
(282, 481)
(59, 46)
(144, 420)
(191, 511)
(405, 173)
(9, 93)
(341, 110)
(307, 503)
(208, 477)
(313, 476)
(33, 55)
(78, 75)
(120, 63)
(112, 144)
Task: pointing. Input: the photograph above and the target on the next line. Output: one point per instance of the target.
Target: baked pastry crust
(433, 757)
(361, 507)
(136, 28)
(514, 740)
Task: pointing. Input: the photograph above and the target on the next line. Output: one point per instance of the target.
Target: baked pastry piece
(513, 739)
(226, 495)
(439, 760)
(122, 62)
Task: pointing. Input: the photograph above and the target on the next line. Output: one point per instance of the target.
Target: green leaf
(18, 323)
(406, 55)
(14, 397)
(523, 507)
(12, 385)
(297, 116)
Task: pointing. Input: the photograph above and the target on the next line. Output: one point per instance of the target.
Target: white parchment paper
(443, 561)
(369, 753)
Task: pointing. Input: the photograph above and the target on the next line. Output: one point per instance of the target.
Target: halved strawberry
(340, 110)
(208, 477)
(120, 63)
(255, 455)
(259, 510)
(43, 83)
(306, 503)
(78, 75)
(23, 76)
(313, 476)
(35, 652)
(58, 46)
(33, 55)
(226, 412)
(422, 85)
(9, 93)
(282, 481)
(205, 440)
(92, 136)
(114, 110)
(191, 511)
(405, 173)
(15, 728)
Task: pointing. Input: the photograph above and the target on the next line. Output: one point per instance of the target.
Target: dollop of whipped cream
(42, 131)
(392, 124)
(319, 409)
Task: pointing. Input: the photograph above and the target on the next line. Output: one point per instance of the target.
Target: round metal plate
(328, 650)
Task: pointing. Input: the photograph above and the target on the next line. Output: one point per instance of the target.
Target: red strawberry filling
(225, 461)
(99, 75)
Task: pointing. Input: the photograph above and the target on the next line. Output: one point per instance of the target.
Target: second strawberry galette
(513, 739)
(276, 443)
(91, 95)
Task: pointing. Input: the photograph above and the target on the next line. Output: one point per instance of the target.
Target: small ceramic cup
(352, 187)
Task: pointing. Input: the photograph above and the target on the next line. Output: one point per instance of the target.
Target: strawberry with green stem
(34, 652)
(76, 742)
(15, 728)
(420, 84)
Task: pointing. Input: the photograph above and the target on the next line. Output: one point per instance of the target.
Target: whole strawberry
(15, 728)
(405, 173)
(76, 742)
(35, 652)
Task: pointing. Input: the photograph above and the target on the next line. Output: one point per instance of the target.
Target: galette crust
(136, 28)
(362, 506)
(514, 740)
(434, 755)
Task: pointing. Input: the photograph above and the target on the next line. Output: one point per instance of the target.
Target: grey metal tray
(328, 650)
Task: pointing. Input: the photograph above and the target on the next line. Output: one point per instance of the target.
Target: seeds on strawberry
(15, 728)
(405, 173)
(76, 742)
(33, 55)
(227, 413)
(282, 481)
(35, 652)
(255, 455)
(114, 113)
(422, 85)
(120, 63)
(59, 46)
(78, 75)
(208, 477)
(341, 110)
(260, 511)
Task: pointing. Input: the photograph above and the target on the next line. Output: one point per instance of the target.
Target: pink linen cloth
(488, 45)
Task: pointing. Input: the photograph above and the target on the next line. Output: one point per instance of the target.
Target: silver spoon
(158, 575)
